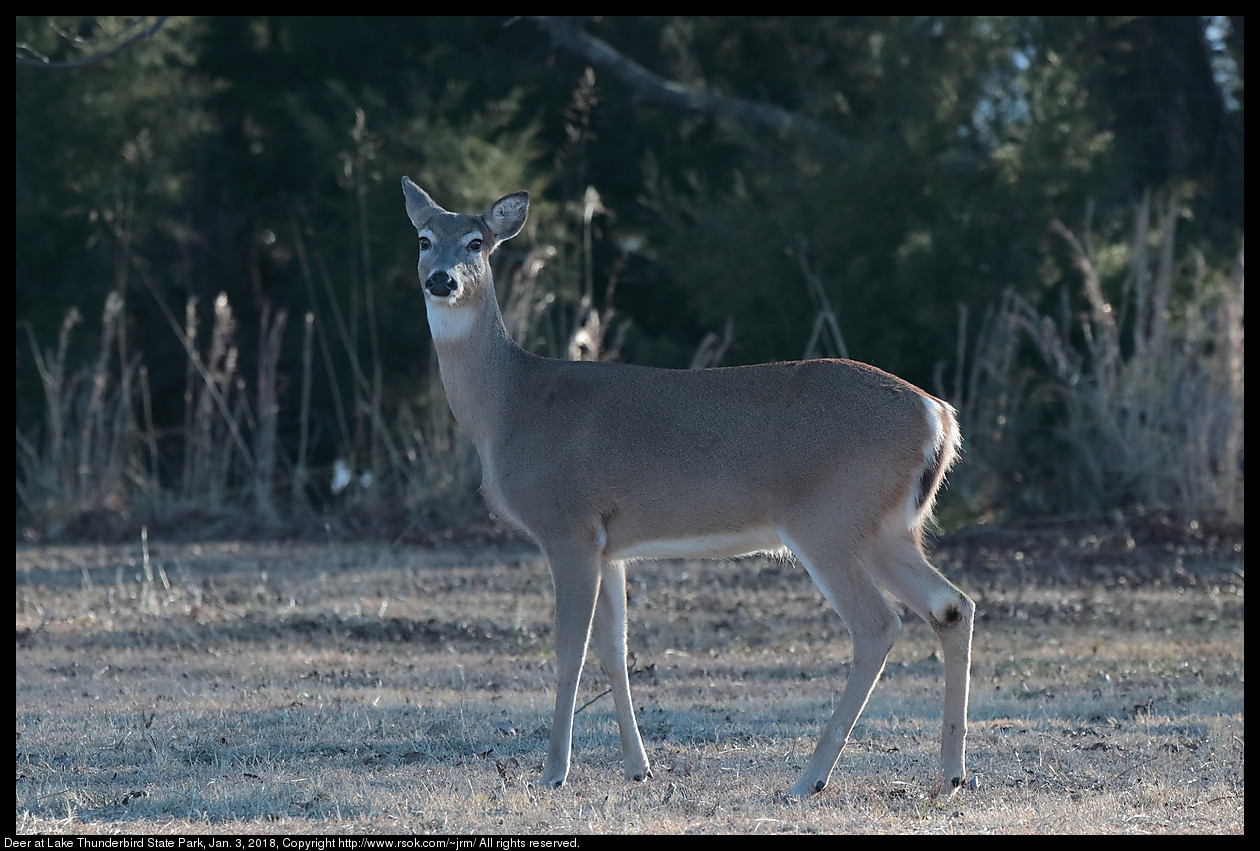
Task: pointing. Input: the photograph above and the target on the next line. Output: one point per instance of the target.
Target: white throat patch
(448, 321)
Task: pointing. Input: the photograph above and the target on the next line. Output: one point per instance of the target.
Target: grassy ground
(288, 688)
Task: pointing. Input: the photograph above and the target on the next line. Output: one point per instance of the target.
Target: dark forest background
(219, 328)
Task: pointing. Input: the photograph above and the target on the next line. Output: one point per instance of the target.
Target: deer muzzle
(441, 284)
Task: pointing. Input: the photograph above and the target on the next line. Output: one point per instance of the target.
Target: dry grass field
(331, 688)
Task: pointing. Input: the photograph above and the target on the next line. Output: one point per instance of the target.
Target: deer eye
(425, 244)
(474, 245)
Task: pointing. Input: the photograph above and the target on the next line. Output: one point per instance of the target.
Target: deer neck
(478, 361)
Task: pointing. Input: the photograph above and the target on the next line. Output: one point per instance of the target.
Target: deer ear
(420, 207)
(506, 217)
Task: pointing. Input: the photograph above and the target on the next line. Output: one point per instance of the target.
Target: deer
(832, 461)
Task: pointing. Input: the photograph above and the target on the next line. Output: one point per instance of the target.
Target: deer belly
(723, 544)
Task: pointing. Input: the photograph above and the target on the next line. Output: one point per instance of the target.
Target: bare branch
(652, 87)
(41, 61)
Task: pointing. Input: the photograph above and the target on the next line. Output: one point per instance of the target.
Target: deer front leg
(575, 575)
(610, 642)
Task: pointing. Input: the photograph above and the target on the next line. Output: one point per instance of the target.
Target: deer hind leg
(844, 580)
(902, 569)
(609, 637)
(575, 575)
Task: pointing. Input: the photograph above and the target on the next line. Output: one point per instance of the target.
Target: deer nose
(440, 284)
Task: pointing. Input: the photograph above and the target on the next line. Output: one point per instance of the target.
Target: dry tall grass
(89, 455)
(1146, 387)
